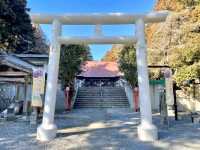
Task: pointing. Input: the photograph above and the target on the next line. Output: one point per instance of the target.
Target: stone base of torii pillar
(46, 133)
(147, 133)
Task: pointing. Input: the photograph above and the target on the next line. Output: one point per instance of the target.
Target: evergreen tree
(16, 32)
(128, 65)
(41, 42)
(71, 58)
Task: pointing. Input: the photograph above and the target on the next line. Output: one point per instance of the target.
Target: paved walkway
(96, 129)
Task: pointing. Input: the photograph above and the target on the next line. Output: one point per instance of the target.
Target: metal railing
(76, 88)
(129, 92)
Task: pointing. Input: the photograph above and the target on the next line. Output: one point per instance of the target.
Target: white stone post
(169, 92)
(47, 130)
(146, 130)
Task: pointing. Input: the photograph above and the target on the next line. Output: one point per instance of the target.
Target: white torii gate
(146, 130)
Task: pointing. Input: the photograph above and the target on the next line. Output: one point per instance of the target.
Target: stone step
(101, 89)
(108, 105)
(101, 105)
(86, 93)
(98, 106)
(103, 100)
(99, 96)
(114, 92)
(105, 97)
(101, 93)
(104, 87)
(100, 101)
(102, 96)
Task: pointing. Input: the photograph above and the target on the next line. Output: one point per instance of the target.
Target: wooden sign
(38, 87)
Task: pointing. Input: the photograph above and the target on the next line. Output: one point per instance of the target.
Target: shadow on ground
(96, 129)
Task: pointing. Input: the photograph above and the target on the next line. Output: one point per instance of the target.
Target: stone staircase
(101, 97)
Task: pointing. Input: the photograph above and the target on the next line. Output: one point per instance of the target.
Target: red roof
(100, 69)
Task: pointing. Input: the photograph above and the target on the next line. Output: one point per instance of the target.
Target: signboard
(38, 87)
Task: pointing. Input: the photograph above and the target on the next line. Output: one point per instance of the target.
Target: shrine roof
(100, 69)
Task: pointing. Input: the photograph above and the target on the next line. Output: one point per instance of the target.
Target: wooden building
(16, 77)
(100, 73)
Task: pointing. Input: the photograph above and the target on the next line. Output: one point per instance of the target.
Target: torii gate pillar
(47, 130)
(146, 130)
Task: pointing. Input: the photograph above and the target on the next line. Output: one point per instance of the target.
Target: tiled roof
(16, 62)
(100, 69)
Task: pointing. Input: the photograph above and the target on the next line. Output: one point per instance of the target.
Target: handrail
(129, 92)
(76, 87)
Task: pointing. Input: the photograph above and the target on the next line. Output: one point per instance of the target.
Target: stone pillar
(169, 92)
(47, 130)
(146, 130)
(25, 103)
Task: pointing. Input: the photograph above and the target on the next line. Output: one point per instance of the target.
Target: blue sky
(91, 6)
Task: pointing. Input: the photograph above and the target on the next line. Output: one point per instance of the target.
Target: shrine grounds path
(100, 129)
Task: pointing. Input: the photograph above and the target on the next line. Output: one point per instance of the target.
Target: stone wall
(189, 98)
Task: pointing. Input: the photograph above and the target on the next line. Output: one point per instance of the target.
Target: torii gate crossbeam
(146, 130)
(99, 18)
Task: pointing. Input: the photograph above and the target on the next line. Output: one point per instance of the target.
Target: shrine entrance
(99, 82)
(146, 130)
(99, 74)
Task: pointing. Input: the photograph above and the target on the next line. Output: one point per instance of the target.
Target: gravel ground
(96, 129)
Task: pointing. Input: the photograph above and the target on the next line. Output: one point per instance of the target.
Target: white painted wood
(146, 130)
(98, 40)
(47, 130)
(97, 18)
